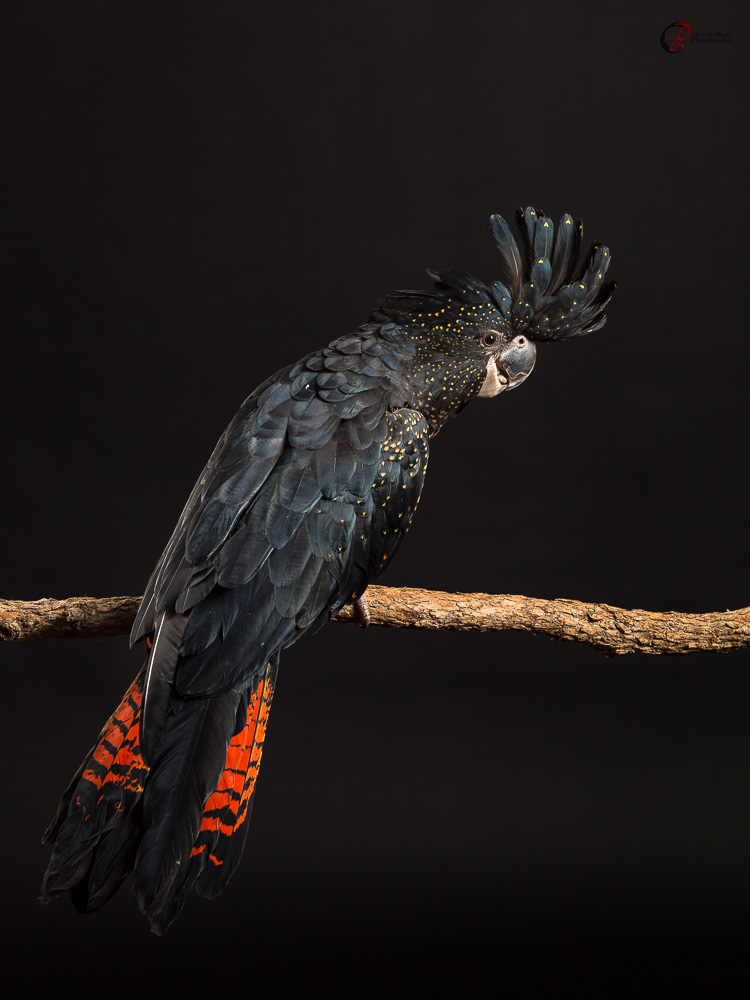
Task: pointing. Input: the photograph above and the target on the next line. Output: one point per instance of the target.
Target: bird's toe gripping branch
(362, 611)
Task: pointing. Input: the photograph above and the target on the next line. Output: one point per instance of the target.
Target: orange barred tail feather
(103, 793)
(223, 829)
(218, 832)
(176, 824)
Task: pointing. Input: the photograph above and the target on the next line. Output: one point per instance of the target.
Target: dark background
(195, 199)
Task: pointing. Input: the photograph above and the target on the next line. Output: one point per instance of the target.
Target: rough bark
(613, 631)
(71, 618)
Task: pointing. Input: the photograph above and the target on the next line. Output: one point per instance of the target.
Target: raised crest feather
(509, 251)
(554, 295)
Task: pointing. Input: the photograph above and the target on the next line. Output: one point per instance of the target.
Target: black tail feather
(187, 766)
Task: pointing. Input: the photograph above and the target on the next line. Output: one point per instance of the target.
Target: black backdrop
(198, 198)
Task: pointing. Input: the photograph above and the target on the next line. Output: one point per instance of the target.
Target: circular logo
(675, 35)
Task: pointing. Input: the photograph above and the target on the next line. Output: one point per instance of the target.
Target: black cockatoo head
(472, 339)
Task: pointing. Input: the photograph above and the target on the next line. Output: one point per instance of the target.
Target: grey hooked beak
(510, 368)
(516, 379)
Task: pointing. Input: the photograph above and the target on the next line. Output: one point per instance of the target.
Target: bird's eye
(489, 338)
(520, 341)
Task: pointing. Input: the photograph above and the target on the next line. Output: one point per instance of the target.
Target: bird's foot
(362, 611)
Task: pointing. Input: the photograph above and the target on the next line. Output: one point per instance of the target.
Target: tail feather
(187, 765)
(111, 863)
(103, 792)
(180, 823)
(220, 842)
(223, 832)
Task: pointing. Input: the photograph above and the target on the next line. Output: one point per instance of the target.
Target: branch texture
(71, 618)
(613, 631)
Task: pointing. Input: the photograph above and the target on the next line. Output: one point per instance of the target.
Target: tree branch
(613, 631)
(71, 618)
